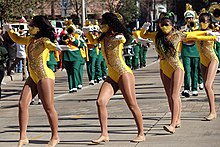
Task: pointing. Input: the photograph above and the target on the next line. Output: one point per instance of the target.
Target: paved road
(78, 122)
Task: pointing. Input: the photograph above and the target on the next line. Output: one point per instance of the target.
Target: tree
(129, 10)
(10, 9)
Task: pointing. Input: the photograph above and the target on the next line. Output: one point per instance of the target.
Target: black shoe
(187, 94)
(183, 93)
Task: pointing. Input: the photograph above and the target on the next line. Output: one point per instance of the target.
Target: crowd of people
(111, 52)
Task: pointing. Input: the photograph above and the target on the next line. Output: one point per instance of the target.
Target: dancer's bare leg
(46, 94)
(177, 81)
(127, 85)
(29, 91)
(167, 86)
(208, 77)
(107, 90)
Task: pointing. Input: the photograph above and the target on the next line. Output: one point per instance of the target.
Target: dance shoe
(53, 143)
(23, 142)
(139, 138)
(101, 139)
(178, 125)
(169, 129)
(210, 117)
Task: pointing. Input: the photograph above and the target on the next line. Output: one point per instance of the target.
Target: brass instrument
(70, 29)
(193, 24)
(214, 9)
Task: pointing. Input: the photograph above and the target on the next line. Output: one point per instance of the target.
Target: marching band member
(190, 56)
(72, 57)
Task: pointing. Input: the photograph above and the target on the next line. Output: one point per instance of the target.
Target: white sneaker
(201, 86)
(195, 93)
(39, 101)
(80, 86)
(92, 82)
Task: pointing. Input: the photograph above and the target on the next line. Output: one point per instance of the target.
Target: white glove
(213, 33)
(118, 37)
(146, 25)
(85, 30)
(58, 47)
(143, 41)
(218, 38)
(7, 27)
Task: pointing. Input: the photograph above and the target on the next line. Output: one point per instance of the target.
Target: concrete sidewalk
(78, 120)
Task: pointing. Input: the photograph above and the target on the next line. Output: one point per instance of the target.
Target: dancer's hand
(7, 27)
(213, 33)
(86, 30)
(58, 47)
(118, 37)
(146, 25)
(218, 38)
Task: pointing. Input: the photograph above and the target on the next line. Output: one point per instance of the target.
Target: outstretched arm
(18, 39)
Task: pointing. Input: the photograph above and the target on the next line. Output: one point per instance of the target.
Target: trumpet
(193, 25)
(70, 29)
(214, 9)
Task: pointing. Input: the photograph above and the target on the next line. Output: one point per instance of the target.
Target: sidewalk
(78, 120)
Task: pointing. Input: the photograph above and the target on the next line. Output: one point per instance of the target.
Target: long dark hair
(202, 19)
(46, 29)
(162, 43)
(117, 26)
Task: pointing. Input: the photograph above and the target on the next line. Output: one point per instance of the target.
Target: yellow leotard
(206, 51)
(169, 63)
(112, 52)
(37, 51)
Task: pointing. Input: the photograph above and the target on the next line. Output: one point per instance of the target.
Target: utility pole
(138, 9)
(52, 9)
(83, 12)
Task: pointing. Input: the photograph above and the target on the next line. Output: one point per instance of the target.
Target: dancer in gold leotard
(120, 76)
(41, 80)
(209, 63)
(168, 42)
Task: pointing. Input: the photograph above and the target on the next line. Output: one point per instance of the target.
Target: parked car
(19, 26)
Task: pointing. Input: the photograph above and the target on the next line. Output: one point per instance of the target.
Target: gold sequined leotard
(168, 63)
(206, 51)
(112, 52)
(37, 51)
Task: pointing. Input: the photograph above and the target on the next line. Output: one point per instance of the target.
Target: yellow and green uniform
(191, 64)
(217, 51)
(53, 59)
(101, 69)
(37, 51)
(93, 51)
(71, 61)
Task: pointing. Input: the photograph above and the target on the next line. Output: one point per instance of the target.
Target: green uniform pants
(135, 58)
(191, 66)
(91, 64)
(143, 56)
(101, 69)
